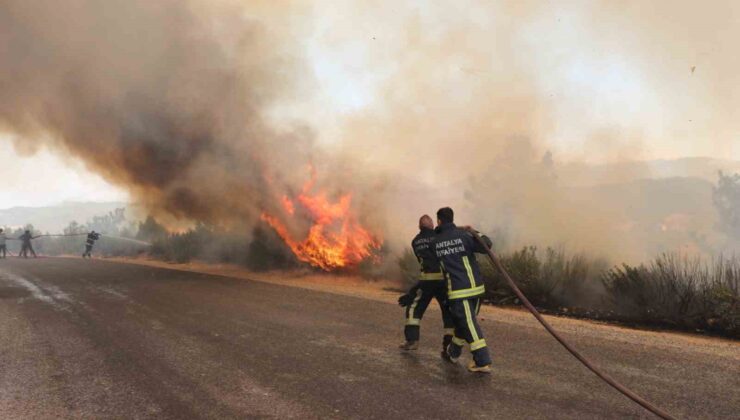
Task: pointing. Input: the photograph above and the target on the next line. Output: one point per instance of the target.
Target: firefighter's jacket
(26, 239)
(422, 246)
(92, 237)
(454, 249)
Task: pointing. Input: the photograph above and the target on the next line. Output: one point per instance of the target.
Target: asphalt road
(96, 339)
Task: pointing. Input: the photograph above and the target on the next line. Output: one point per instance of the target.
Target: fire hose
(60, 234)
(120, 238)
(606, 378)
(48, 235)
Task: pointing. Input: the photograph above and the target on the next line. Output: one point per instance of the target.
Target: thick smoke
(466, 122)
(479, 92)
(459, 104)
(167, 98)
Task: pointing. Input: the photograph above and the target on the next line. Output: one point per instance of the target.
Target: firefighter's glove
(405, 300)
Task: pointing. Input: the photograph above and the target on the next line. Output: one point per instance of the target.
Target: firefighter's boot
(472, 367)
(409, 346)
(446, 340)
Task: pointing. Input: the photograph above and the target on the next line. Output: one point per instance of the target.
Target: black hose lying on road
(608, 379)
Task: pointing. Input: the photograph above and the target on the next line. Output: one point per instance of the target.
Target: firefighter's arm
(477, 246)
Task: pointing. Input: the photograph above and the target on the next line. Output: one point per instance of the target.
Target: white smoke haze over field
(211, 110)
(477, 93)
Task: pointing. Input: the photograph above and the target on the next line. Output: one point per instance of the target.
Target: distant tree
(548, 165)
(726, 197)
(109, 223)
(29, 227)
(129, 230)
(74, 228)
(547, 160)
(150, 230)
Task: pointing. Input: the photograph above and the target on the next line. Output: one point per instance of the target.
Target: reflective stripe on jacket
(454, 249)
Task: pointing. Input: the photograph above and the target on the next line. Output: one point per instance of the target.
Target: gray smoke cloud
(479, 92)
(166, 98)
(175, 101)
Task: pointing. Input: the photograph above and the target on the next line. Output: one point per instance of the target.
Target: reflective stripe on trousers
(467, 330)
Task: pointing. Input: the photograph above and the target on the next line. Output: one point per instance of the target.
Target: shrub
(678, 291)
(409, 267)
(264, 252)
(549, 280)
(671, 291)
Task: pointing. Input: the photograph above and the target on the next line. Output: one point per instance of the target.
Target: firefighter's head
(1, 231)
(445, 215)
(28, 232)
(426, 222)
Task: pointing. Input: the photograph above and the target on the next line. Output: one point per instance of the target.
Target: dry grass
(671, 291)
(675, 290)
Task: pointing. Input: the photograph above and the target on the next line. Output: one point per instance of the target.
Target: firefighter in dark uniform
(430, 286)
(26, 246)
(91, 238)
(455, 248)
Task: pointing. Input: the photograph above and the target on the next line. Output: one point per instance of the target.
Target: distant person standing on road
(91, 238)
(26, 244)
(3, 246)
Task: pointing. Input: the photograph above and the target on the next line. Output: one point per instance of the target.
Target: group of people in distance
(451, 275)
(27, 246)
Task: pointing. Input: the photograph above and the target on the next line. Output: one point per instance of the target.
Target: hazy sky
(662, 90)
(44, 179)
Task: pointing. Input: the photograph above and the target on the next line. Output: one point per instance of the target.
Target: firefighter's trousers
(467, 330)
(25, 248)
(428, 290)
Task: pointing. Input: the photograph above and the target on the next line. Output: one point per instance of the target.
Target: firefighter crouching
(454, 248)
(430, 286)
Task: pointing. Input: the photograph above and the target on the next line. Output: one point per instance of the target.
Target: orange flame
(288, 205)
(335, 239)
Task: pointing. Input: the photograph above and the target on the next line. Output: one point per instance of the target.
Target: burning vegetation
(334, 239)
